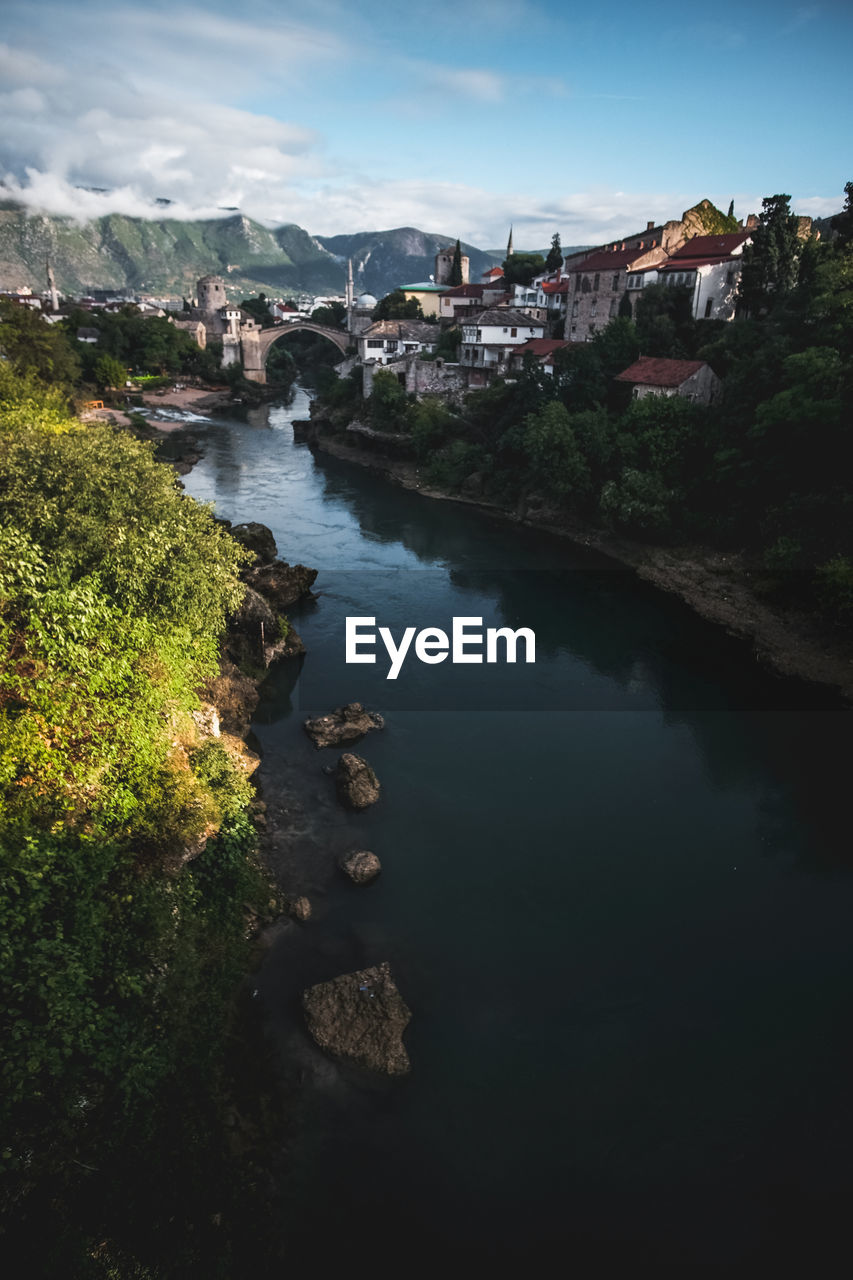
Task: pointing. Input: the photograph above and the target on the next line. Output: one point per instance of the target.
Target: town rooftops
(506, 318)
(540, 346)
(407, 330)
(614, 259)
(704, 251)
(650, 371)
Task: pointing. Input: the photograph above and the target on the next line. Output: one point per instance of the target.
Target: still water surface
(620, 905)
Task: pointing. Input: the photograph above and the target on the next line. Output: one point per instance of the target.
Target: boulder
(344, 724)
(361, 866)
(357, 784)
(299, 909)
(281, 584)
(361, 1016)
(258, 538)
(235, 697)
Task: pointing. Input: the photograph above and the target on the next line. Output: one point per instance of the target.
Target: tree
(843, 222)
(555, 254)
(258, 309)
(731, 212)
(333, 315)
(456, 266)
(520, 268)
(396, 306)
(556, 461)
(771, 261)
(109, 372)
(30, 343)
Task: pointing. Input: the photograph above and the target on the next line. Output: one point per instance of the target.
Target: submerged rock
(344, 724)
(361, 866)
(357, 784)
(361, 1016)
(258, 538)
(299, 909)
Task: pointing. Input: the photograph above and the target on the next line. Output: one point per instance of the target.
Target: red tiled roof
(691, 264)
(617, 259)
(540, 346)
(711, 247)
(650, 371)
(494, 271)
(556, 286)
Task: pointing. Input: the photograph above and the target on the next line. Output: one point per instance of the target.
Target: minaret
(51, 284)
(350, 295)
(509, 243)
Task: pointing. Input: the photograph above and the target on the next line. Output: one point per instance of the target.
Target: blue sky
(455, 117)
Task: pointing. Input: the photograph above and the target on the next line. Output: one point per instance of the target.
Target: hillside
(381, 260)
(166, 255)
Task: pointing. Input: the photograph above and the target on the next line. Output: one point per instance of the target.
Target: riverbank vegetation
(765, 469)
(127, 863)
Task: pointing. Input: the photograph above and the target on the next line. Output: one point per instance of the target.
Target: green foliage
(431, 424)
(557, 464)
(555, 253)
(26, 403)
(109, 372)
(771, 261)
(396, 306)
(387, 403)
(333, 314)
(258, 309)
(32, 346)
(520, 268)
(456, 266)
(639, 503)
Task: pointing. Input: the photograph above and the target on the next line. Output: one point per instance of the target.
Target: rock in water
(281, 584)
(361, 1016)
(361, 866)
(258, 538)
(344, 724)
(357, 784)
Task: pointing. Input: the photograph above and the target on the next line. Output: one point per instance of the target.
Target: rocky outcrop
(299, 909)
(234, 696)
(344, 724)
(255, 636)
(257, 538)
(361, 866)
(357, 784)
(281, 584)
(361, 1016)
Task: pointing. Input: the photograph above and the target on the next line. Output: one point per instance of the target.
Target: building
(427, 294)
(710, 267)
(692, 379)
(444, 265)
(541, 349)
(466, 298)
(387, 340)
(602, 279)
(284, 311)
(489, 339)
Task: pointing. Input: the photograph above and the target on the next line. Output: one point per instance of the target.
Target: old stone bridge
(256, 344)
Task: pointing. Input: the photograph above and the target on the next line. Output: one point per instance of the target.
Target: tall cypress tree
(555, 253)
(456, 266)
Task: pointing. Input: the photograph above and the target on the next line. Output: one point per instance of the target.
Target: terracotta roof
(493, 271)
(408, 330)
(650, 371)
(557, 286)
(540, 346)
(612, 259)
(709, 247)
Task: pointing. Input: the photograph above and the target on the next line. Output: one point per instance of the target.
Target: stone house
(490, 338)
(542, 350)
(464, 299)
(653, 376)
(387, 340)
(601, 280)
(710, 267)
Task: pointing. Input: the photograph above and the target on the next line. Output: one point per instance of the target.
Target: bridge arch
(256, 345)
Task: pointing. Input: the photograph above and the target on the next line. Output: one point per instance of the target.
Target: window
(374, 342)
(574, 328)
(613, 305)
(392, 344)
(708, 306)
(730, 276)
(596, 282)
(479, 335)
(616, 282)
(592, 328)
(575, 307)
(593, 311)
(512, 333)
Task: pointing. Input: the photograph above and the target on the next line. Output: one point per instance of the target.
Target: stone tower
(211, 293)
(444, 265)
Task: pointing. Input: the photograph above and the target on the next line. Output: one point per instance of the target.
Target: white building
(489, 339)
(710, 266)
(387, 340)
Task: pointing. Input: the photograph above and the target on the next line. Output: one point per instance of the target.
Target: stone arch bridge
(256, 344)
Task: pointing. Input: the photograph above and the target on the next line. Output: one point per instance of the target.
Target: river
(616, 894)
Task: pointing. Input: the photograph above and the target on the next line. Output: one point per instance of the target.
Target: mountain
(161, 254)
(164, 255)
(382, 260)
